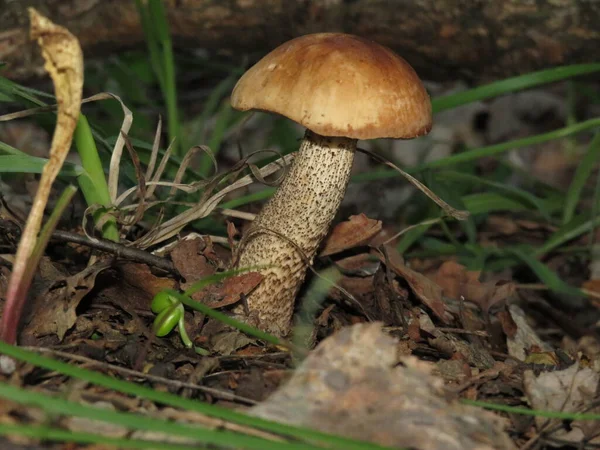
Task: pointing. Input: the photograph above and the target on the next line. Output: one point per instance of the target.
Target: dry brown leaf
(229, 342)
(425, 289)
(228, 291)
(459, 283)
(232, 232)
(509, 327)
(355, 231)
(56, 314)
(353, 386)
(190, 258)
(222, 338)
(141, 277)
(357, 280)
(592, 285)
(196, 259)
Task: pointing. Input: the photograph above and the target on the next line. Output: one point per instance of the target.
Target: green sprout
(170, 313)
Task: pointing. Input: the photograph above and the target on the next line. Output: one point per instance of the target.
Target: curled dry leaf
(457, 282)
(355, 231)
(424, 288)
(64, 62)
(352, 385)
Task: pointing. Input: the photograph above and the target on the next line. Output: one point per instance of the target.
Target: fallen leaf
(232, 232)
(424, 288)
(190, 260)
(56, 313)
(355, 231)
(459, 283)
(571, 390)
(357, 280)
(592, 285)
(223, 339)
(452, 346)
(228, 291)
(141, 277)
(353, 385)
(509, 327)
(525, 339)
(196, 259)
(453, 370)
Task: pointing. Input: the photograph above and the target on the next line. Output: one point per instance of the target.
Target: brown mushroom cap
(337, 84)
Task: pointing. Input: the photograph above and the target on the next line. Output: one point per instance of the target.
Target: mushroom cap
(338, 84)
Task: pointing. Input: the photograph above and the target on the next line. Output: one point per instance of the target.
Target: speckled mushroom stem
(302, 210)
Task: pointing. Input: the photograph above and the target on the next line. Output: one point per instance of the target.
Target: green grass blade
(32, 164)
(159, 16)
(487, 202)
(477, 153)
(583, 172)
(206, 281)
(21, 94)
(211, 105)
(46, 433)
(247, 199)
(572, 230)
(49, 227)
(151, 41)
(156, 29)
(503, 147)
(514, 192)
(216, 138)
(511, 85)
(7, 149)
(412, 236)
(94, 185)
(86, 147)
(543, 272)
(180, 402)
(61, 406)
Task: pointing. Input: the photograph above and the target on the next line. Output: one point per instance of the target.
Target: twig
(119, 250)
(134, 373)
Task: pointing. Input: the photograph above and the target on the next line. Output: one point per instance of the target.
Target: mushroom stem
(301, 210)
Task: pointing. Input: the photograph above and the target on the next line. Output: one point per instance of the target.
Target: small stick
(119, 250)
(134, 373)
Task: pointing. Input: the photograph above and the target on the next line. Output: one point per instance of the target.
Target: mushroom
(341, 88)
